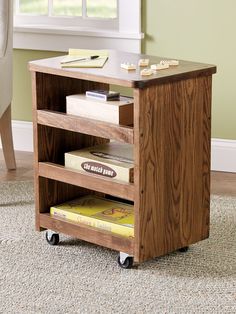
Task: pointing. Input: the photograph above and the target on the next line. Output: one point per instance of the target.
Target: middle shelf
(84, 125)
(90, 181)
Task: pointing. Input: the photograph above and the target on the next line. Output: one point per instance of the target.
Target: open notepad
(72, 60)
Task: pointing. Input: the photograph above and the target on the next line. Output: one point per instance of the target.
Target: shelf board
(87, 233)
(86, 180)
(87, 126)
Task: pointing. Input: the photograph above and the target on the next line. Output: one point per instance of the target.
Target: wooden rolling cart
(171, 137)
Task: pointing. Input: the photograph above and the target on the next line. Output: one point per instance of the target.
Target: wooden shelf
(87, 233)
(171, 145)
(89, 181)
(86, 126)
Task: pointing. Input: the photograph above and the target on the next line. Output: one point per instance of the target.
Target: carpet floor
(78, 277)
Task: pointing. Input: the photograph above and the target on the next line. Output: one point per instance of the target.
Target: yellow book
(83, 58)
(101, 213)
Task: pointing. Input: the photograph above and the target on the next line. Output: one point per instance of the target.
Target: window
(84, 13)
(93, 8)
(57, 25)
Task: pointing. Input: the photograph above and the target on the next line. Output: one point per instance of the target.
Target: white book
(103, 95)
(113, 160)
(113, 111)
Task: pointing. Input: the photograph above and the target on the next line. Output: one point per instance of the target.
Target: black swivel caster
(125, 261)
(183, 249)
(52, 238)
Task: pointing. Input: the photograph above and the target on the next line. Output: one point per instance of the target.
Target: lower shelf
(87, 233)
(86, 180)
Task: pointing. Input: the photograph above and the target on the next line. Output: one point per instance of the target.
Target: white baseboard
(223, 152)
(22, 132)
(223, 155)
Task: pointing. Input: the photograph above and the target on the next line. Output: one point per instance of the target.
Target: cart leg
(52, 237)
(183, 249)
(125, 260)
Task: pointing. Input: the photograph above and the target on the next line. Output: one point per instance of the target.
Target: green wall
(21, 105)
(202, 30)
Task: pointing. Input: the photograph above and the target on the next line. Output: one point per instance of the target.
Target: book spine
(93, 110)
(117, 112)
(96, 96)
(93, 222)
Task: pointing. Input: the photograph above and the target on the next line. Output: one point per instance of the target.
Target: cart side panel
(172, 166)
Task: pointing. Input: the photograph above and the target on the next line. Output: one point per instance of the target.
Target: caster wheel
(127, 263)
(184, 249)
(52, 239)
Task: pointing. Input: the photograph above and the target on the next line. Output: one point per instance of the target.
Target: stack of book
(113, 160)
(101, 105)
(112, 216)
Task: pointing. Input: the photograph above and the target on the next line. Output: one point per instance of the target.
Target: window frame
(127, 36)
(66, 21)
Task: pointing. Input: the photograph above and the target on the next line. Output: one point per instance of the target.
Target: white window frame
(125, 34)
(66, 21)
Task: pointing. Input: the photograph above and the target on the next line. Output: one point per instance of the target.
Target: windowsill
(71, 30)
(55, 38)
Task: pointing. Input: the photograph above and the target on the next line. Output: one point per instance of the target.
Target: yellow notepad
(70, 61)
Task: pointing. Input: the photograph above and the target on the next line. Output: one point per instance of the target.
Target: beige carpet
(77, 277)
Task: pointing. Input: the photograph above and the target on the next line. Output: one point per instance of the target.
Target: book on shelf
(112, 160)
(101, 213)
(83, 58)
(113, 111)
(103, 94)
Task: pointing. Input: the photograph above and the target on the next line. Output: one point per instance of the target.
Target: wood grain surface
(172, 166)
(86, 180)
(85, 126)
(171, 136)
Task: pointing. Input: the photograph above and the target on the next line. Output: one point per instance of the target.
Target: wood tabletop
(112, 73)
